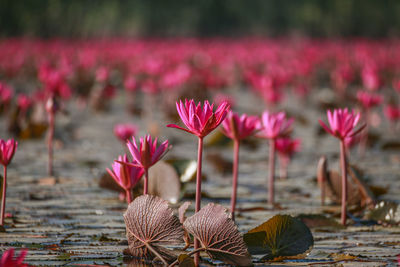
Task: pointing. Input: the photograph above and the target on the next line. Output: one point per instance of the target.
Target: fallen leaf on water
(47, 181)
(319, 221)
(218, 235)
(150, 224)
(385, 211)
(341, 257)
(219, 163)
(282, 235)
(185, 261)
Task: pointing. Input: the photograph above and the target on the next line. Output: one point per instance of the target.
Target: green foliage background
(84, 18)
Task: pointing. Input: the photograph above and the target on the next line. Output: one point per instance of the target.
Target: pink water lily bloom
(236, 127)
(275, 125)
(342, 123)
(368, 100)
(200, 120)
(125, 175)
(7, 260)
(125, 131)
(147, 154)
(7, 150)
(287, 146)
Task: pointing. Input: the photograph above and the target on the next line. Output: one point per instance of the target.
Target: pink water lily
(342, 126)
(273, 126)
(125, 175)
(200, 120)
(342, 123)
(124, 131)
(7, 260)
(237, 128)
(286, 148)
(7, 151)
(146, 155)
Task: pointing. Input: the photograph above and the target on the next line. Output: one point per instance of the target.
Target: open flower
(7, 150)
(200, 120)
(147, 154)
(275, 125)
(7, 260)
(125, 131)
(125, 175)
(236, 127)
(342, 123)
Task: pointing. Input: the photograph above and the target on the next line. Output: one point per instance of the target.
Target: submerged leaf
(218, 235)
(150, 223)
(282, 235)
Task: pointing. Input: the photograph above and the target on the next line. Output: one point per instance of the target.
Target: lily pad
(282, 235)
(218, 235)
(385, 211)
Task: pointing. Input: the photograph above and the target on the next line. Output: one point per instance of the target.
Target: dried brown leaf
(150, 223)
(164, 182)
(218, 235)
(181, 211)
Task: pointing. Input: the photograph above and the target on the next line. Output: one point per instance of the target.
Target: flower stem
(198, 193)
(235, 176)
(146, 181)
(271, 187)
(343, 163)
(50, 143)
(284, 162)
(3, 196)
(128, 193)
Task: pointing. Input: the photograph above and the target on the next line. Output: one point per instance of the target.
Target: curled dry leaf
(150, 223)
(282, 235)
(164, 182)
(218, 235)
(181, 211)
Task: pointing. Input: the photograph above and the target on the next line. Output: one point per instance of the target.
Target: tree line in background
(85, 18)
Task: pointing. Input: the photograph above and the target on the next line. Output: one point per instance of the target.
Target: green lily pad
(280, 236)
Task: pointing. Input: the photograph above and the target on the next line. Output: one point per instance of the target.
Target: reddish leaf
(218, 235)
(150, 223)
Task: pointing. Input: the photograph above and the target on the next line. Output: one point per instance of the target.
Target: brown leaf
(185, 261)
(150, 223)
(164, 182)
(182, 210)
(218, 235)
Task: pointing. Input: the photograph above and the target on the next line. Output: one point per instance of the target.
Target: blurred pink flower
(7, 150)
(125, 175)
(102, 74)
(23, 102)
(368, 100)
(275, 125)
(370, 77)
(199, 120)
(220, 97)
(148, 153)
(7, 260)
(342, 123)
(125, 131)
(236, 127)
(130, 84)
(6, 93)
(287, 146)
(392, 112)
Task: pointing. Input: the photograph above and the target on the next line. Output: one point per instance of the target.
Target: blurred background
(85, 18)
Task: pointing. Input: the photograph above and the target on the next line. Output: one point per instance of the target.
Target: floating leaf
(185, 261)
(218, 235)
(319, 221)
(385, 212)
(150, 223)
(282, 235)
